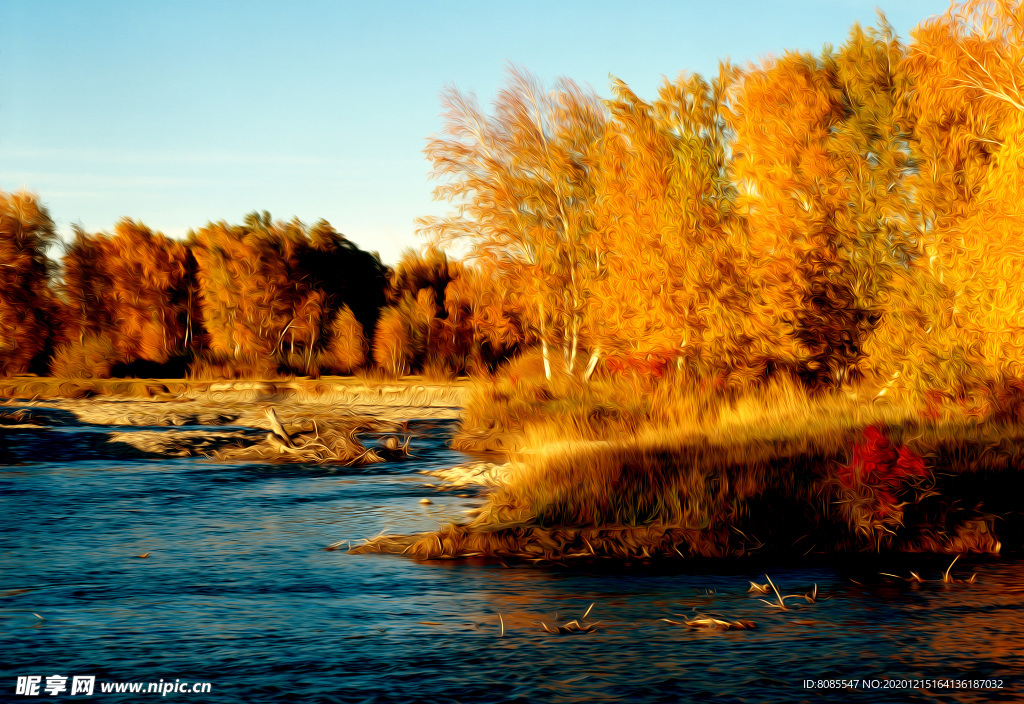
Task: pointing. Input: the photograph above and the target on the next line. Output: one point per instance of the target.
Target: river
(238, 591)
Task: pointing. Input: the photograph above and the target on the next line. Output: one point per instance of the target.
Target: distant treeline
(851, 217)
(258, 299)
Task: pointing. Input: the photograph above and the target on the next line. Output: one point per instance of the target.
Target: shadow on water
(237, 590)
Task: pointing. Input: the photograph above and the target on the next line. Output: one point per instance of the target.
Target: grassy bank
(616, 470)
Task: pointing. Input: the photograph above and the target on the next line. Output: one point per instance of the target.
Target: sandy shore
(230, 420)
(178, 402)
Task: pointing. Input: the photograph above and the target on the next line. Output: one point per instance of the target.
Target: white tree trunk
(575, 343)
(593, 363)
(544, 342)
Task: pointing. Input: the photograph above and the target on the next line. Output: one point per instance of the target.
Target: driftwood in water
(279, 431)
(334, 442)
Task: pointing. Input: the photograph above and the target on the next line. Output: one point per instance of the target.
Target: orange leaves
(391, 344)
(823, 167)
(974, 53)
(782, 169)
(27, 306)
(968, 68)
(347, 350)
(665, 226)
(243, 282)
(136, 287)
(271, 291)
(445, 318)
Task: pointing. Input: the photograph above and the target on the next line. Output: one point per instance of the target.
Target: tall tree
(969, 74)
(347, 349)
(392, 346)
(875, 148)
(137, 287)
(27, 305)
(249, 296)
(481, 326)
(523, 182)
(672, 288)
(821, 168)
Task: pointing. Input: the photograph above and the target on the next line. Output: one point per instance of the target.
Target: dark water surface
(237, 591)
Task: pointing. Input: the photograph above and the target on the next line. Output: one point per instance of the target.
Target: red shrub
(877, 474)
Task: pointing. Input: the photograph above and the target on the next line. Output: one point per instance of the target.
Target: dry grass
(26, 419)
(532, 543)
(330, 439)
(713, 623)
(947, 577)
(577, 625)
(334, 445)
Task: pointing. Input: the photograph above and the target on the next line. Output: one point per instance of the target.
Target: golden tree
(270, 292)
(86, 285)
(261, 313)
(822, 170)
(135, 287)
(787, 191)
(875, 149)
(347, 349)
(392, 348)
(481, 327)
(27, 305)
(967, 104)
(522, 180)
(672, 290)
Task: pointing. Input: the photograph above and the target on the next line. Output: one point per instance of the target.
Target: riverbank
(605, 471)
(423, 398)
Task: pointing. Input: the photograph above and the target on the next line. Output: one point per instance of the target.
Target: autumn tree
(522, 181)
(392, 350)
(347, 275)
(85, 284)
(252, 303)
(822, 166)
(672, 293)
(969, 112)
(270, 292)
(879, 172)
(417, 292)
(347, 349)
(137, 288)
(27, 305)
(430, 269)
(482, 326)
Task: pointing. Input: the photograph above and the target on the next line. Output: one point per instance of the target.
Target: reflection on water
(238, 591)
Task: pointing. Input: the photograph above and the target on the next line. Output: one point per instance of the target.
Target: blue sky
(178, 113)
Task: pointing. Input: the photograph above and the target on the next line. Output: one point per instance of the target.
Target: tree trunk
(575, 342)
(544, 341)
(593, 363)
